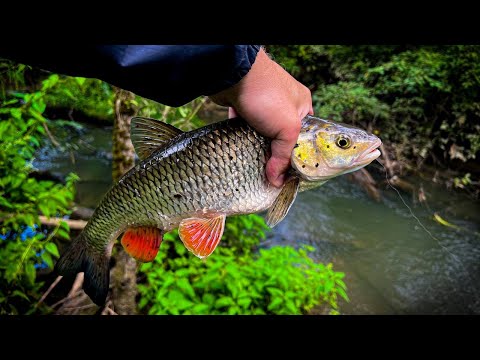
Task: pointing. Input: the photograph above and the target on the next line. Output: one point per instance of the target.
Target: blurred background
(351, 246)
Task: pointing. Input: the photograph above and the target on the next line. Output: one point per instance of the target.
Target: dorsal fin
(149, 135)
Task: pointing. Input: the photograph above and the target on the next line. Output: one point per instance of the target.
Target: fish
(194, 180)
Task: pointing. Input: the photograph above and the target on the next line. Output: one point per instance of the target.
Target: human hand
(273, 103)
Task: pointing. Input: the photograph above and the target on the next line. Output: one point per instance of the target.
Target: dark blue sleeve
(170, 74)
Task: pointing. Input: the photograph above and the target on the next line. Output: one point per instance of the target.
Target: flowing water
(392, 265)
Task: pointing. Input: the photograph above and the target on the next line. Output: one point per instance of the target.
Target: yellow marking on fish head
(326, 149)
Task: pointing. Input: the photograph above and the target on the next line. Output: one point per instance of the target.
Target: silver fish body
(217, 169)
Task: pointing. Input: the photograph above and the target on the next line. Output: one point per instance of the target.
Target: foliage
(184, 117)
(348, 101)
(12, 76)
(278, 280)
(243, 233)
(24, 247)
(92, 98)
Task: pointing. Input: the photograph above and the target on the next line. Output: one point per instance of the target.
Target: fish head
(326, 149)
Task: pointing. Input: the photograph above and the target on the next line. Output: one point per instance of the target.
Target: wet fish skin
(214, 171)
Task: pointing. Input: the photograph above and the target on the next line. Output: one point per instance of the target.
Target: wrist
(260, 70)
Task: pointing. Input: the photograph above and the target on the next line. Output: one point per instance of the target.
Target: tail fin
(95, 265)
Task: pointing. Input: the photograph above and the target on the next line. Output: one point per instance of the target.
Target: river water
(392, 265)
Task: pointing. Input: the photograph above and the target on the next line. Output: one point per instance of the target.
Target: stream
(392, 265)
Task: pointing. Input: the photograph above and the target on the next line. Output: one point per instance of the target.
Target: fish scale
(230, 153)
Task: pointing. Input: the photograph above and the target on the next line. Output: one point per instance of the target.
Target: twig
(194, 112)
(44, 296)
(111, 312)
(73, 224)
(59, 302)
(77, 284)
(166, 110)
(79, 307)
(107, 310)
(50, 136)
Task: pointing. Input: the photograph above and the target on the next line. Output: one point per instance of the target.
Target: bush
(279, 280)
(90, 97)
(24, 246)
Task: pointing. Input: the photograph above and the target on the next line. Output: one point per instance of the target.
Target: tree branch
(73, 224)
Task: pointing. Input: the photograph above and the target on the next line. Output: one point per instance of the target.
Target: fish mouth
(370, 154)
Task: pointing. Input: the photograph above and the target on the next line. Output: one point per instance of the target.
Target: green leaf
(343, 294)
(182, 272)
(143, 302)
(30, 272)
(64, 225)
(290, 305)
(80, 80)
(39, 106)
(47, 258)
(275, 303)
(175, 296)
(63, 234)
(18, 293)
(185, 286)
(275, 291)
(16, 113)
(52, 249)
(4, 202)
(341, 284)
(200, 309)
(44, 209)
(329, 285)
(224, 301)
(244, 302)
(208, 299)
(183, 112)
(183, 304)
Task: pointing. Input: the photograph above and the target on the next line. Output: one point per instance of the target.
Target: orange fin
(201, 236)
(142, 243)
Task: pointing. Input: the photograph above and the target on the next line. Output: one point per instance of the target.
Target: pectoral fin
(201, 236)
(142, 243)
(283, 202)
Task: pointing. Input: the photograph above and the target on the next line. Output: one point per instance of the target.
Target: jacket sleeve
(170, 74)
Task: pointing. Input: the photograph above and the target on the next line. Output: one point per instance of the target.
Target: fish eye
(343, 142)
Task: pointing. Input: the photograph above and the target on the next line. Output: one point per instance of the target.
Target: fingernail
(279, 181)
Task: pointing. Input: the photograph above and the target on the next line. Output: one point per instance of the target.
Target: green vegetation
(237, 280)
(91, 99)
(24, 246)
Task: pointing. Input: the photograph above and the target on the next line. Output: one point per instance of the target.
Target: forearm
(170, 74)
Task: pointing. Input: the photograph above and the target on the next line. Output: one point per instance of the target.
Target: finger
(232, 113)
(276, 170)
(282, 148)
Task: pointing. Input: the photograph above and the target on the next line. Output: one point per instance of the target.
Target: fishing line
(418, 220)
(472, 291)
